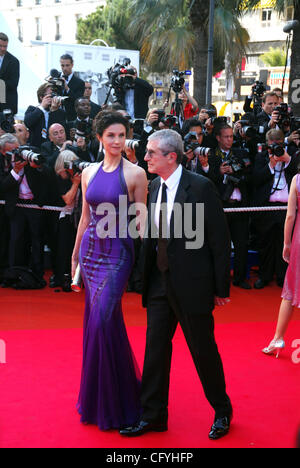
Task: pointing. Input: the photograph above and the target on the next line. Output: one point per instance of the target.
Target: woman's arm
(290, 220)
(70, 196)
(140, 200)
(84, 220)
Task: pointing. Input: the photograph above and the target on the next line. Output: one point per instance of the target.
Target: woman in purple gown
(291, 254)
(110, 380)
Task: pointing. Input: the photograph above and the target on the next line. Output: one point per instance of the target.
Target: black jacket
(35, 121)
(77, 88)
(263, 178)
(142, 92)
(197, 274)
(38, 181)
(10, 74)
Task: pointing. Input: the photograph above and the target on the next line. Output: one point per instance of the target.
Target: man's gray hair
(7, 139)
(169, 142)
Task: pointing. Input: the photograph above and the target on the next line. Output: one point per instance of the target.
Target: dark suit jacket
(9, 188)
(10, 74)
(77, 88)
(35, 121)
(142, 92)
(263, 179)
(95, 109)
(199, 274)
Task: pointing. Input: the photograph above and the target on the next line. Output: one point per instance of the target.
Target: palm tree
(280, 6)
(174, 33)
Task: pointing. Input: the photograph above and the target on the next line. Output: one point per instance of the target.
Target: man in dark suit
(74, 87)
(95, 108)
(40, 118)
(21, 182)
(272, 178)
(10, 74)
(268, 118)
(182, 282)
(136, 99)
(233, 179)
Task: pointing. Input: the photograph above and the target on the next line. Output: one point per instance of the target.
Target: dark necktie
(162, 243)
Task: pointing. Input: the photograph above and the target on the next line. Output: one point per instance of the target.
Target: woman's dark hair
(106, 118)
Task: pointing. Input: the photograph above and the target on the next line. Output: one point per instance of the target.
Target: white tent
(30, 79)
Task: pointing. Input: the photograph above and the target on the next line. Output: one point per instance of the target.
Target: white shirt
(281, 195)
(172, 186)
(129, 102)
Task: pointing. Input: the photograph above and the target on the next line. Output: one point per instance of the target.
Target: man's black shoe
(142, 428)
(220, 428)
(54, 282)
(260, 284)
(242, 284)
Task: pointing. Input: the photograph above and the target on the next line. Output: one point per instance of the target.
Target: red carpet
(39, 382)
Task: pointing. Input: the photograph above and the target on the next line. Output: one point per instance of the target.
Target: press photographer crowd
(251, 162)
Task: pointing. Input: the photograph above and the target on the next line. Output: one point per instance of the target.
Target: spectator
(39, 119)
(95, 109)
(68, 185)
(201, 164)
(24, 183)
(22, 133)
(10, 74)
(234, 187)
(52, 148)
(268, 118)
(272, 179)
(74, 87)
(135, 100)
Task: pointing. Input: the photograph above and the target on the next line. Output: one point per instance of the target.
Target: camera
(132, 144)
(56, 82)
(7, 121)
(251, 130)
(121, 76)
(177, 81)
(83, 130)
(295, 124)
(276, 150)
(76, 167)
(191, 143)
(28, 154)
(259, 89)
(284, 119)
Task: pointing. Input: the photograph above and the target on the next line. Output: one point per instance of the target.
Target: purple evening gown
(110, 380)
(291, 288)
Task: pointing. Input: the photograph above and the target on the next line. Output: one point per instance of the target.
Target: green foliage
(108, 23)
(274, 57)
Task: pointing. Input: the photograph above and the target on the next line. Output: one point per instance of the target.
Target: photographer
(198, 161)
(73, 87)
(247, 134)
(130, 91)
(95, 108)
(22, 133)
(268, 117)
(188, 104)
(233, 181)
(68, 187)
(23, 180)
(39, 119)
(10, 75)
(273, 173)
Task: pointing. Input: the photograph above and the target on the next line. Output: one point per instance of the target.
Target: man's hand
(47, 101)
(55, 105)
(225, 168)
(221, 301)
(274, 119)
(19, 165)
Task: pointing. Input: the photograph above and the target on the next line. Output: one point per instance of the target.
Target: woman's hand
(286, 253)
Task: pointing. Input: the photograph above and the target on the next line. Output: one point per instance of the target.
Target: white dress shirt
(172, 184)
